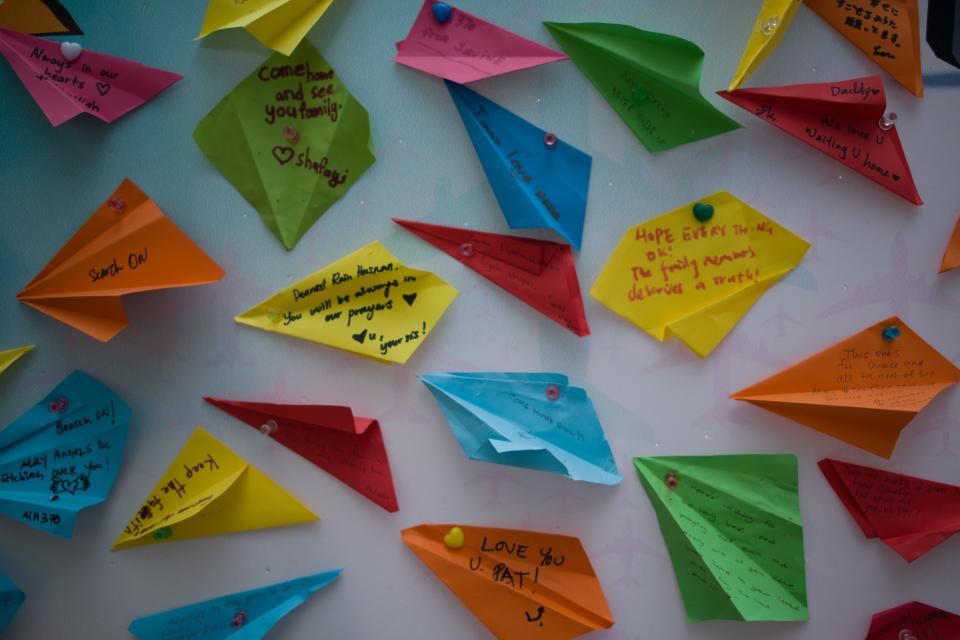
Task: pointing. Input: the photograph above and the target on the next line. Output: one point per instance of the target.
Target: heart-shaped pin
(359, 337)
(702, 212)
(441, 11)
(410, 297)
(103, 88)
(454, 538)
(283, 154)
(70, 50)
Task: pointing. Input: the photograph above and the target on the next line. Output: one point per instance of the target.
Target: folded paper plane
(127, 246)
(695, 271)
(349, 448)
(11, 597)
(62, 455)
(38, 18)
(951, 256)
(532, 420)
(733, 529)
(910, 515)
(450, 43)
(845, 120)
(10, 356)
(208, 490)
(652, 81)
(66, 80)
(540, 273)
(248, 615)
(520, 584)
(914, 621)
(943, 30)
(772, 22)
(277, 24)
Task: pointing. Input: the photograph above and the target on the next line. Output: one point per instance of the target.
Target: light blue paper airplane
(10, 600)
(62, 455)
(248, 615)
(532, 420)
(537, 186)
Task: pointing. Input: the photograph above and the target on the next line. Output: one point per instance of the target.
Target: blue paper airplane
(62, 455)
(10, 600)
(532, 420)
(538, 185)
(248, 615)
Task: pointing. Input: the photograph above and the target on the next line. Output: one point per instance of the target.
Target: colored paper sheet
(675, 275)
(127, 246)
(914, 621)
(841, 119)
(349, 448)
(102, 86)
(38, 18)
(466, 47)
(248, 615)
(532, 420)
(277, 24)
(538, 272)
(943, 30)
(863, 390)
(951, 256)
(62, 455)
(366, 303)
(772, 22)
(208, 490)
(652, 81)
(888, 32)
(520, 584)
(910, 515)
(537, 186)
(10, 356)
(291, 139)
(733, 530)
(11, 597)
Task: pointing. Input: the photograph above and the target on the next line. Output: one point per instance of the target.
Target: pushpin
(639, 95)
(441, 11)
(702, 212)
(59, 405)
(887, 121)
(269, 427)
(907, 634)
(770, 25)
(163, 533)
(553, 392)
(275, 315)
(671, 480)
(70, 50)
(54, 498)
(119, 205)
(550, 140)
(891, 333)
(239, 619)
(454, 538)
(291, 134)
(466, 249)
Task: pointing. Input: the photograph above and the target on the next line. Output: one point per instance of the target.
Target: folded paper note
(291, 139)
(208, 490)
(914, 621)
(66, 80)
(943, 30)
(349, 448)
(845, 120)
(366, 303)
(772, 22)
(10, 600)
(38, 18)
(532, 420)
(910, 515)
(863, 390)
(951, 256)
(733, 529)
(127, 246)
(62, 455)
(695, 271)
(450, 43)
(10, 356)
(652, 81)
(888, 32)
(520, 584)
(277, 24)
(540, 273)
(248, 615)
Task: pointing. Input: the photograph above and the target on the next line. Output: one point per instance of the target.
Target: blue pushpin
(702, 212)
(441, 11)
(891, 332)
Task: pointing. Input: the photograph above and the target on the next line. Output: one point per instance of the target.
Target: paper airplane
(520, 584)
(540, 273)
(11, 597)
(349, 448)
(943, 30)
(695, 271)
(910, 515)
(62, 455)
(652, 81)
(845, 120)
(951, 256)
(10, 356)
(208, 490)
(862, 390)
(772, 22)
(450, 43)
(291, 139)
(733, 529)
(914, 621)
(127, 246)
(277, 24)
(248, 615)
(38, 18)
(366, 303)
(532, 420)
(66, 80)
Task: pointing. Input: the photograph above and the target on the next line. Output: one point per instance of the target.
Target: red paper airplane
(914, 621)
(331, 437)
(845, 120)
(539, 272)
(910, 515)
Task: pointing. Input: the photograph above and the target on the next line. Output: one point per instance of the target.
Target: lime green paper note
(652, 80)
(732, 527)
(291, 139)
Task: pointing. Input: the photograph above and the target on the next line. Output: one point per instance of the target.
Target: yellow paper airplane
(208, 490)
(278, 24)
(10, 356)
(772, 23)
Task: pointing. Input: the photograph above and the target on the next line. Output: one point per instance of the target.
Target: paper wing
(943, 30)
(914, 620)
(277, 24)
(11, 597)
(38, 18)
(10, 356)
(772, 22)
(951, 256)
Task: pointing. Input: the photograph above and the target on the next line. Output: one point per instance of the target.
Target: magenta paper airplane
(347, 447)
(67, 80)
(453, 44)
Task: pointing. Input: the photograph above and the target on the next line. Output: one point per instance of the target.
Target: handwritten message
(896, 503)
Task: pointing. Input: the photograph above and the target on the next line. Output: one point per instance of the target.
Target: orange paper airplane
(522, 585)
(951, 257)
(127, 246)
(863, 390)
(38, 18)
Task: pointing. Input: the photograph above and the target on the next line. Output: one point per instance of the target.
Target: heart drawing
(283, 154)
(103, 88)
(410, 297)
(360, 336)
